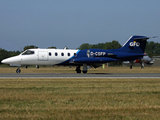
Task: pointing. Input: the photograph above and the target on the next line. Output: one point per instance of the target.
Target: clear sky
(60, 23)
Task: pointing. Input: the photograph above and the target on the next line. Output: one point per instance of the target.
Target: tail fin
(135, 44)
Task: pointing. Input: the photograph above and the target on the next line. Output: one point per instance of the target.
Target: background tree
(3, 54)
(29, 47)
(108, 45)
(14, 53)
(84, 46)
(53, 47)
(152, 48)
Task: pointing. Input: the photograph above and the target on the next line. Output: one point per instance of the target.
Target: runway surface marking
(81, 77)
(90, 75)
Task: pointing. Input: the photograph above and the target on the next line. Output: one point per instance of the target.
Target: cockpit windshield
(28, 52)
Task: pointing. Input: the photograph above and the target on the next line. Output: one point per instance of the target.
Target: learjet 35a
(133, 49)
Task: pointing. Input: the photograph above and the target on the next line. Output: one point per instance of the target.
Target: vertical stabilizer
(135, 44)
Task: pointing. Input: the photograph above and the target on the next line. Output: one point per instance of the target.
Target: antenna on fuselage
(65, 48)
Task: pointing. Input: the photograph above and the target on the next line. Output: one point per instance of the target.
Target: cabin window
(68, 54)
(56, 54)
(62, 54)
(50, 53)
(28, 52)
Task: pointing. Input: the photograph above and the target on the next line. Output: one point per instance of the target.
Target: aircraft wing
(92, 60)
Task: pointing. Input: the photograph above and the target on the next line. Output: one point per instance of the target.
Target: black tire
(84, 72)
(18, 71)
(78, 71)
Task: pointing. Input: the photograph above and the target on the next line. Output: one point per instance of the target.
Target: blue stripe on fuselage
(67, 61)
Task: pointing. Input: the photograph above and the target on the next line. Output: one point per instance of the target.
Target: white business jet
(133, 49)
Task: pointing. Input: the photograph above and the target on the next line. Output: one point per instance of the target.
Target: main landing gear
(84, 68)
(78, 69)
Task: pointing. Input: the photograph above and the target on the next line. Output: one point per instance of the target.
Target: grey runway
(75, 75)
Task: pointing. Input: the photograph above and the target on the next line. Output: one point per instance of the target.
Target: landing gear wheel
(78, 70)
(142, 65)
(37, 66)
(84, 72)
(85, 68)
(130, 66)
(18, 70)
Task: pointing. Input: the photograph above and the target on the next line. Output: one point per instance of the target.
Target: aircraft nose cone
(3, 61)
(12, 60)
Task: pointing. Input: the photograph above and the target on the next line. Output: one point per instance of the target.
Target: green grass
(72, 70)
(80, 99)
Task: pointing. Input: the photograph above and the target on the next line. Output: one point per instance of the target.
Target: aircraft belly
(33, 62)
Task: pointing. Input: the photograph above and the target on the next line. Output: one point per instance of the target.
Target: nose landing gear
(18, 70)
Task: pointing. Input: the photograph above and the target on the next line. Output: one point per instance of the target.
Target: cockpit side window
(28, 52)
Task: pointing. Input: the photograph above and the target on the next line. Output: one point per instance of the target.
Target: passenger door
(42, 56)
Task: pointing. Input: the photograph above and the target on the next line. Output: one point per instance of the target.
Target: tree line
(152, 49)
